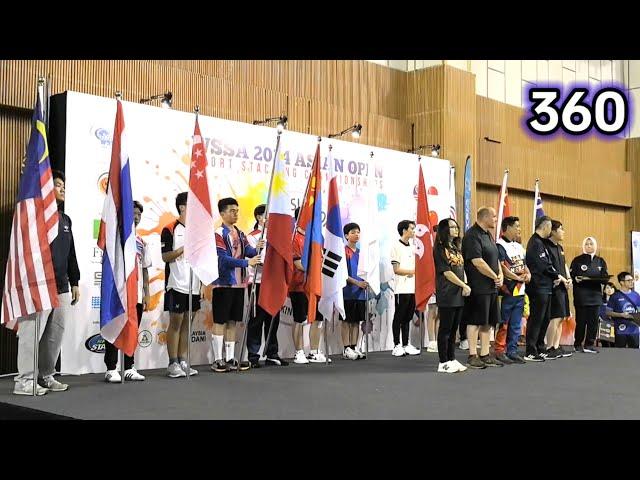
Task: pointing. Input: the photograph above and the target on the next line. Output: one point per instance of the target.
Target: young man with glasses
(624, 303)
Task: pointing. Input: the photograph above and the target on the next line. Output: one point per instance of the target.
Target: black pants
(261, 320)
(462, 328)
(111, 352)
(586, 318)
(630, 341)
(405, 308)
(540, 306)
(450, 318)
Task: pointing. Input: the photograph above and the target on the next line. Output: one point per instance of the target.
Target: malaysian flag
(29, 282)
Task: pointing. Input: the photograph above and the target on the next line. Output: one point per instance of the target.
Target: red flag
(425, 267)
(503, 205)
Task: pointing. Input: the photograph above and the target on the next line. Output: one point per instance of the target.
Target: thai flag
(117, 239)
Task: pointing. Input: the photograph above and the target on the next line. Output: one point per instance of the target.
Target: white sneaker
(52, 384)
(432, 346)
(183, 366)
(411, 350)
(318, 358)
(360, 353)
(350, 354)
(461, 367)
(446, 367)
(398, 351)
(112, 376)
(464, 345)
(133, 375)
(300, 357)
(26, 388)
(174, 371)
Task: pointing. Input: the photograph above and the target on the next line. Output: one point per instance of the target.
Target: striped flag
(466, 195)
(537, 205)
(334, 263)
(117, 239)
(503, 204)
(30, 282)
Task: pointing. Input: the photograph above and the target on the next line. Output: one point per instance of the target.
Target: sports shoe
(219, 366)
(553, 353)
(543, 354)
(460, 367)
(515, 358)
(411, 350)
(349, 354)
(591, 349)
(112, 376)
(447, 367)
(52, 384)
(474, 362)
(318, 358)
(565, 353)
(464, 345)
(360, 353)
(579, 349)
(277, 361)
(174, 371)
(398, 351)
(432, 346)
(132, 375)
(255, 363)
(183, 366)
(489, 361)
(300, 357)
(504, 359)
(534, 358)
(26, 388)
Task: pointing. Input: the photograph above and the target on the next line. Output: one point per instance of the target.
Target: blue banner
(466, 199)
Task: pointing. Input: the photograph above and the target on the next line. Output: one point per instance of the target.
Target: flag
(334, 263)
(117, 239)
(278, 262)
(537, 205)
(466, 197)
(199, 234)
(30, 282)
(452, 192)
(369, 263)
(503, 204)
(425, 266)
(311, 222)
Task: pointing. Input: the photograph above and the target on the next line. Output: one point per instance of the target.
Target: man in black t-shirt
(484, 276)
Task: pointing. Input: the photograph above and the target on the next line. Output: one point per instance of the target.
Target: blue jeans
(511, 313)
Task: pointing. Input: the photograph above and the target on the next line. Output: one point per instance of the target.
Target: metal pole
(421, 320)
(189, 323)
(326, 342)
(366, 322)
(121, 353)
(36, 343)
(252, 295)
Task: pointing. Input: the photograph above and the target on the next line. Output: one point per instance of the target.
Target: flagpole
(252, 293)
(306, 190)
(536, 193)
(503, 189)
(366, 321)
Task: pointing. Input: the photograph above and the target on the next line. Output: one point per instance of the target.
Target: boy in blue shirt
(623, 304)
(355, 295)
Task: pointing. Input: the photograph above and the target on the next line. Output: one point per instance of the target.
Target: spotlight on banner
(435, 149)
(165, 99)
(355, 130)
(280, 125)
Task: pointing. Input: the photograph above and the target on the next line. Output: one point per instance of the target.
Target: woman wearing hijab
(589, 273)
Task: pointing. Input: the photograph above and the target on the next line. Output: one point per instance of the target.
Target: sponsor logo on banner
(104, 135)
(96, 255)
(103, 180)
(96, 229)
(95, 344)
(97, 278)
(95, 302)
(145, 338)
(198, 336)
(162, 337)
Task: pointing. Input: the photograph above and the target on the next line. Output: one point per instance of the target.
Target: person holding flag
(355, 295)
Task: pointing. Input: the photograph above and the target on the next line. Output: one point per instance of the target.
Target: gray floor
(585, 386)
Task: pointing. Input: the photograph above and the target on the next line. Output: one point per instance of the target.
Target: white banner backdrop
(240, 156)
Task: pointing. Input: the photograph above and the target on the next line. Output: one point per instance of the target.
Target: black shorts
(177, 302)
(482, 309)
(300, 306)
(559, 303)
(355, 311)
(227, 305)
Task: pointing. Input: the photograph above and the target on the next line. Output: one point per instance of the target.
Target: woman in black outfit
(589, 273)
(450, 288)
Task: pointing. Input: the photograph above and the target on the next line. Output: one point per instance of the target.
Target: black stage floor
(585, 386)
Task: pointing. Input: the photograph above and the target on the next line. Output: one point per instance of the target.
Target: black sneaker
(220, 366)
(515, 358)
(474, 362)
(489, 361)
(552, 354)
(277, 361)
(255, 364)
(504, 359)
(579, 349)
(565, 353)
(534, 358)
(591, 349)
(232, 364)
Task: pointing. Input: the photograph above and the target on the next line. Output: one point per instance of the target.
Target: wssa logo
(95, 344)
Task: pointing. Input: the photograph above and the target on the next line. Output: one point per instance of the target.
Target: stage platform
(585, 386)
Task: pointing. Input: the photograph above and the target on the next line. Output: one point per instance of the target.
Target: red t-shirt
(297, 281)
